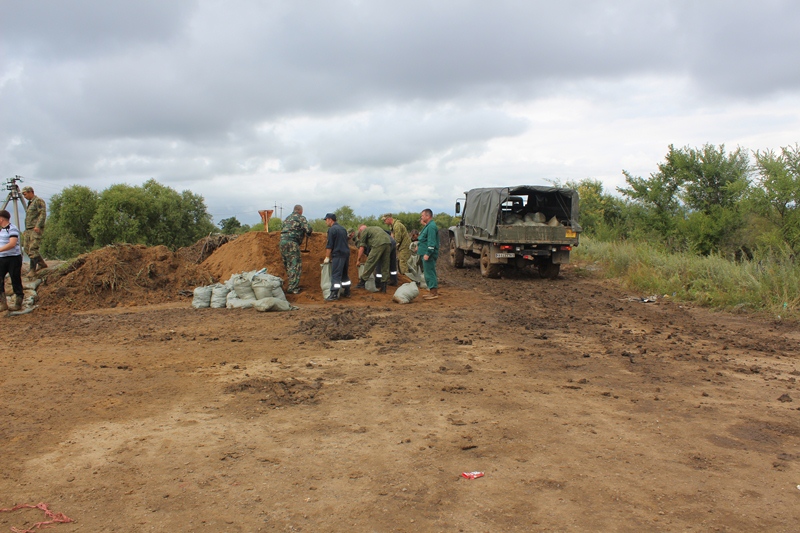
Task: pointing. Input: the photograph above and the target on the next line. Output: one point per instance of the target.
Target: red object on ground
(471, 475)
(55, 518)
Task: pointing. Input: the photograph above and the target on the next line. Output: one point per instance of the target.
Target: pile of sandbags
(256, 289)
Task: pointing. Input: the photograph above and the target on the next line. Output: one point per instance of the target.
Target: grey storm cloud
(193, 68)
(195, 89)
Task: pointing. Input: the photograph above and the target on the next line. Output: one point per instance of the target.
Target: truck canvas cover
(483, 205)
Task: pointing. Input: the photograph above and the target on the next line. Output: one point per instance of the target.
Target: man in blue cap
(337, 253)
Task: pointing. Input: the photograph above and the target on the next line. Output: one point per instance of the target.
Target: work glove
(326, 261)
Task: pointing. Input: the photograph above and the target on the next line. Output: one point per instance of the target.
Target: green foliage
(346, 217)
(778, 198)
(658, 196)
(708, 177)
(69, 215)
(152, 214)
(120, 216)
(601, 215)
(232, 226)
(81, 219)
(693, 202)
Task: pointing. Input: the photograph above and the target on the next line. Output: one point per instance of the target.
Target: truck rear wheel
(456, 254)
(549, 270)
(488, 270)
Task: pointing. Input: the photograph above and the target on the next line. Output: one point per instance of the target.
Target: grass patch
(770, 284)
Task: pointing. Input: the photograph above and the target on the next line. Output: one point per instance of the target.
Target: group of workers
(12, 242)
(383, 252)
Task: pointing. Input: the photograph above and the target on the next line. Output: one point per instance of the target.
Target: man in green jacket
(428, 248)
(380, 250)
(35, 216)
(400, 234)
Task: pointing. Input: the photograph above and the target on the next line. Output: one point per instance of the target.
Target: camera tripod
(15, 196)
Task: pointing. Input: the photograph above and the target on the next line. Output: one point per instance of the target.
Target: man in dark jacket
(337, 253)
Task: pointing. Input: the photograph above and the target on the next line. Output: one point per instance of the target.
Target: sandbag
(243, 287)
(370, 283)
(405, 293)
(279, 294)
(32, 284)
(219, 296)
(414, 270)
(325, 279)
(272, 304)
(265, 285)
(234, 302)
(536, 218)
(201, 298)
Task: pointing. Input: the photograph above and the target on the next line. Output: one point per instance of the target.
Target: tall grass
(770, 284)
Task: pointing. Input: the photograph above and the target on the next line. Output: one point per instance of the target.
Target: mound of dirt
(121, 275)
(202, 249)
(130, 275)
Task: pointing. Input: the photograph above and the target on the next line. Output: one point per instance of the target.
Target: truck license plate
(499, 254)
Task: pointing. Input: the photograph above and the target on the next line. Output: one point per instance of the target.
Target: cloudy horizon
(383, 106)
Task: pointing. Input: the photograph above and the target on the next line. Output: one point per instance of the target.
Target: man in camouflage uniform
(380, 250)
(400, 234)
(295, 228)
(35, 216)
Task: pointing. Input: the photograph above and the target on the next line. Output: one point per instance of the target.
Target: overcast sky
(383, 105)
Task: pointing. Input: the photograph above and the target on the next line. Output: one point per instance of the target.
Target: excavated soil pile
(202, 249)
(121, 275)
(259, 249)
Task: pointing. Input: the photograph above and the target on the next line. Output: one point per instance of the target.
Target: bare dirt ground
(587, 411)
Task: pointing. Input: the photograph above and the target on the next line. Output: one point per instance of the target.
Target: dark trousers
(339, 275)
(13, 267)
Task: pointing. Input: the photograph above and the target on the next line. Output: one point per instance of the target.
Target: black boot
(32, 267)
(393, 280)
(41, 262)
(383, 287)
(361, 284)
(346, 293)
(334, 295)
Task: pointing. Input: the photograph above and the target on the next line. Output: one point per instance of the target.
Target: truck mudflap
(561, 257)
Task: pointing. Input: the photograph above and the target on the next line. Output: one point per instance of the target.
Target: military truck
(516, 227)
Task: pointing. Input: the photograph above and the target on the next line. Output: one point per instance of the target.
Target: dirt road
(587, 411)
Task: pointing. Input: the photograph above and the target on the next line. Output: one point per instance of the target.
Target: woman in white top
(10, 262)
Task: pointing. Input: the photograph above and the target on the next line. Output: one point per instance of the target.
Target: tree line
(705, 201)
(81, 219)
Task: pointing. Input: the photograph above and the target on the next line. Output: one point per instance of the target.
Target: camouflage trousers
(292, 263)
(31, 241)
(402, 260)
(378, 258)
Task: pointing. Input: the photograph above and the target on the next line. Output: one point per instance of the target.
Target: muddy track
(586, 408)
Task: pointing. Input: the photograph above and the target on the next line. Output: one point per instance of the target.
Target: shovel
(305, 249)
